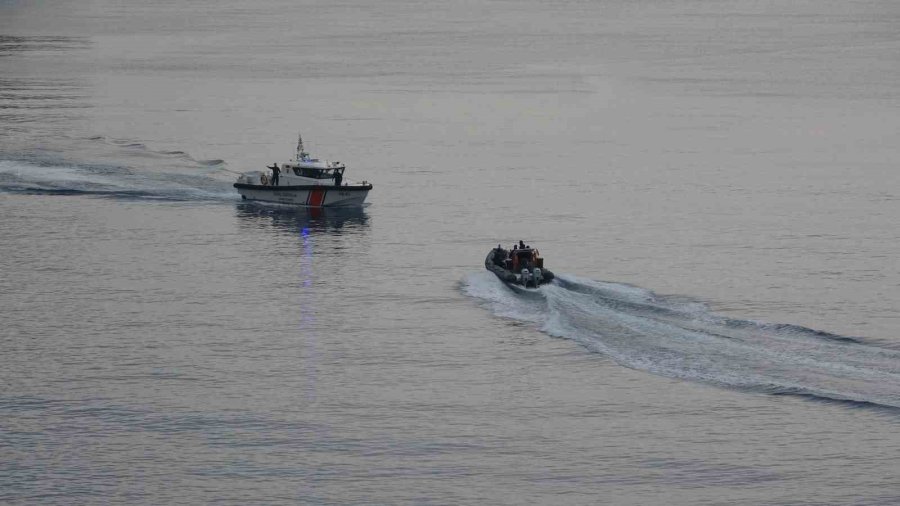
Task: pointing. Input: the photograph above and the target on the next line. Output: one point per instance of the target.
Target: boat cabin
(517, 259)
(314, 172)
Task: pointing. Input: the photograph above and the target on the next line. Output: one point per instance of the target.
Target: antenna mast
(301, 154)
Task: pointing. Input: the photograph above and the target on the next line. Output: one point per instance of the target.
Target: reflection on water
(304, 220)
(37, 99)
(27, 99)
(10, 44)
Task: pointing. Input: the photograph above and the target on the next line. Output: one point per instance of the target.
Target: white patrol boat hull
(306, 195)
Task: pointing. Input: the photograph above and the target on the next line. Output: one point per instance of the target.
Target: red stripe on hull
(316, 198)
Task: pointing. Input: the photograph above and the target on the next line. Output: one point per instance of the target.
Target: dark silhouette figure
(276, 172)
(500, 255)
(338, 178)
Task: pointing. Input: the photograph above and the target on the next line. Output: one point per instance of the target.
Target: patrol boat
(521, 266)
(303, 181)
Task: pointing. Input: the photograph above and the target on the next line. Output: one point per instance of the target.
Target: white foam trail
(110, 181)
(679, 338)
(502, 300)
(58, 174)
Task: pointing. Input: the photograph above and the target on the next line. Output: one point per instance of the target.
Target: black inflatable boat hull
(510, 277)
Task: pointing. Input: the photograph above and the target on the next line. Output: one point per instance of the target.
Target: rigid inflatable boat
(522, 267)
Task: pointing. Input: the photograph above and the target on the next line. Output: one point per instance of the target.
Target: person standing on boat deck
(338, 177)
(275, 173)
(521, 244)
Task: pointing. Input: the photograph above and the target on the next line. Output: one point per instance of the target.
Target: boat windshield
(314, 173)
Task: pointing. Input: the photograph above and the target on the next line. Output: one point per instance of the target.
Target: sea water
(714, 183)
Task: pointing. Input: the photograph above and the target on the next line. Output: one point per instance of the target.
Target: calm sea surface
(715, 184)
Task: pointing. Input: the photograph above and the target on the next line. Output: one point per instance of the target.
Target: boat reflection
(305, 220)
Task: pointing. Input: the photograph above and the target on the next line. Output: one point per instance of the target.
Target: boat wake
(679, 338)
(54, 178)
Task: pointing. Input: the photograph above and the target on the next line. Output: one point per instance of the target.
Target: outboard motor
(527, 278)
(538, 276)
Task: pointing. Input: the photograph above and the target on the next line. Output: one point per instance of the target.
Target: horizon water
(714, 184)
